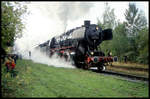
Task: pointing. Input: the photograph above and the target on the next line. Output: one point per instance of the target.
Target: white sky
(44, 23)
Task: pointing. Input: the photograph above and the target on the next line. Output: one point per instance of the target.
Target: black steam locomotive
(80, 45)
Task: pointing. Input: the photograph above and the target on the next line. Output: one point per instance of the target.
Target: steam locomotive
(80, 45)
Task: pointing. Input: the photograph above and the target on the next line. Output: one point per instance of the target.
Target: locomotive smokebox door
(107, 34)
(86, 23)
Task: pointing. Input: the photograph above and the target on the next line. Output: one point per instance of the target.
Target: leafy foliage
(130, 38)
(11, 22)
(142, 46)
(135, 20)
(109, 21)
(109, 18)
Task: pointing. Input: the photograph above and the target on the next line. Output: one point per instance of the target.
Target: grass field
(39, 80)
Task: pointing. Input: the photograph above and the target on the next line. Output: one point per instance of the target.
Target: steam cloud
(65, 11)
(54, 61)
(69, 12)
(48, 19)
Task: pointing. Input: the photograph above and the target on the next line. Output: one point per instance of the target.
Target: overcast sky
(48, 19)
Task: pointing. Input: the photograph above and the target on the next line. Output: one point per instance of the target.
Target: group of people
(10, 63)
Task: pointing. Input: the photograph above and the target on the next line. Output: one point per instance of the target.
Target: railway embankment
(130, 68)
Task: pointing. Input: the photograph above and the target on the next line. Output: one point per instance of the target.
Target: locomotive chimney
(86, 23)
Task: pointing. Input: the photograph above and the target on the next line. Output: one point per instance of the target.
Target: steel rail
(129, 76)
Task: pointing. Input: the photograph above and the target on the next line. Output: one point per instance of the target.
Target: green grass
(39, 80)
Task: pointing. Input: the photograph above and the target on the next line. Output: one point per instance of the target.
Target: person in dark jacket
(29, 54)
(15, 57)
(115, 58)
(125, 59)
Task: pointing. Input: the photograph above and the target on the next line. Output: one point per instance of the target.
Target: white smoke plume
(72, 11)
(55, 60)
(65, 11)
(48, 19)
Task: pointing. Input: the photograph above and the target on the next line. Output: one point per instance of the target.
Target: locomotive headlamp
(97, 28)
(92, 53)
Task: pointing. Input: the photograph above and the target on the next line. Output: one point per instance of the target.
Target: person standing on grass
(115, 58)
(10, 65)
(30, 54)
(125, 59)
(15, 57)
(12, 68)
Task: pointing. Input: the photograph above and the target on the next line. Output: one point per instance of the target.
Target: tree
(11, 22)
(135, 20)
(100, 24)
(109, 18)
(109, 21)
(142, 46)
(120, 40)
(130, 38)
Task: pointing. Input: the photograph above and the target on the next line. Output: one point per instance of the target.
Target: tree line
(130, 38)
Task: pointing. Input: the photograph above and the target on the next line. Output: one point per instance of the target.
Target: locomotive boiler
(80, 45)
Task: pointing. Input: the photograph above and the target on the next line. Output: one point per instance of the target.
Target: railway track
(131, 77)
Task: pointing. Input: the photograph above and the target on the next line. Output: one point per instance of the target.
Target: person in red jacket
(12, 68)
(13, 65)
(10, 65)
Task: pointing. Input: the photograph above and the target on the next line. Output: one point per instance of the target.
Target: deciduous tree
(11, 22)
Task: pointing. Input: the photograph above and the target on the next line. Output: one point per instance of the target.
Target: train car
(80, 46)
(44, 47)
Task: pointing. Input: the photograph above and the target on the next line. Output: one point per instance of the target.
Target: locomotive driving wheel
(101, 68)
(85, 67)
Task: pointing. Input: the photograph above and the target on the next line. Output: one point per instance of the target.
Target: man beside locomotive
(30, 54)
